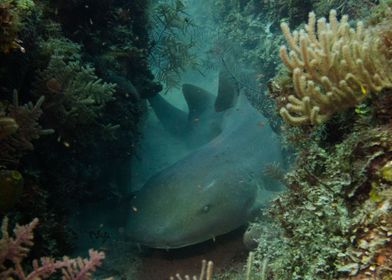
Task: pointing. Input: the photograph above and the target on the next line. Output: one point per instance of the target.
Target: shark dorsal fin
(228, 91)
(173, 119)
(198, 99)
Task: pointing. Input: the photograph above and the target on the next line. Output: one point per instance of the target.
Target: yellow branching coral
(333, 66)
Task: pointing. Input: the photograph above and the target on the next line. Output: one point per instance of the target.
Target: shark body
(217, 187)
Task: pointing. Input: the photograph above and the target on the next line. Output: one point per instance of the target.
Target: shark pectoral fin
(228, 91)
(272, 184)
(173, 119)
(197, 99)
(263, 200)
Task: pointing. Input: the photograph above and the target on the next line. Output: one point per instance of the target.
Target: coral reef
(245, 45)
(11, 188)
(205, 273)
(12, 13)
(74, 95)
(246, 32)
(7, 126)
(171, 46)
(334, 221)
(63, 59)
(82, 71)
(333, 68)
(23, 127)
(15, 249)
(352, 8)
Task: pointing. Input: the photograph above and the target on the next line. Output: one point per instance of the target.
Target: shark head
(172, 211)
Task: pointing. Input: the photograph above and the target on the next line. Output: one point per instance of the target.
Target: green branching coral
(75, 96)
(60, 46)
(21, 128)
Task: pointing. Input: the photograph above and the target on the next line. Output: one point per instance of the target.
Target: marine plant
(75, 96)
(170, 53)
(333, 67)
(245, 43)
(23, 127)
(246, 31)
(59, 46)
(12, 13)
(31, 32)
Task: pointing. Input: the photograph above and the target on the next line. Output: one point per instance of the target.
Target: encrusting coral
(333, 68)
(334, 222)
(15, 249)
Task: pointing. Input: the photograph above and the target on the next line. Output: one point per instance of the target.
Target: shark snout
(158, 236)
(158, 225)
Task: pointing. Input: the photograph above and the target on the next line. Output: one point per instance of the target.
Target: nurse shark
(217, 187)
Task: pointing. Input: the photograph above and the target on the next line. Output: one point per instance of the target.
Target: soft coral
(15, 249)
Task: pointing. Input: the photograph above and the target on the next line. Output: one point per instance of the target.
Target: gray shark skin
(197, 127)
(213, 190)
